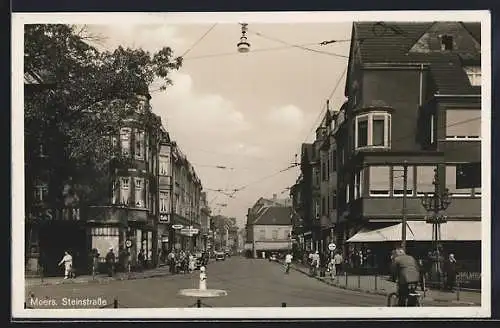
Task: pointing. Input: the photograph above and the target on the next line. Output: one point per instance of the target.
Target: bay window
(139, 192)
(139, 144)
(451, 183)
(398, 181)
(164, 202)
(358, 184)
(115, 197)
(379, 181)
(125, 190)
(41, 191)
(372, 130)
(125, 141)
(463, 124)
(425, 179)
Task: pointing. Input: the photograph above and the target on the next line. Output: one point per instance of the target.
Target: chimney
(274, 197)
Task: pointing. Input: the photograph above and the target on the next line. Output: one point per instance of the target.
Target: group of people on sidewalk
(181, 261)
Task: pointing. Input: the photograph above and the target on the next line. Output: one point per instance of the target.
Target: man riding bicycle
(407, 274)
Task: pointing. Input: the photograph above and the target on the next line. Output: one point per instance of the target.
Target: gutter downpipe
(421, 85)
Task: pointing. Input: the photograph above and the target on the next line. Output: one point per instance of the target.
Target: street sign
(332, 247)
(177, 226)
(128, 243)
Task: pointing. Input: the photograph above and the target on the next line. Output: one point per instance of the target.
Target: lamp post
(436, 203)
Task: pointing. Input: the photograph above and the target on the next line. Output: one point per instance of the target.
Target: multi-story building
(414, 100)
(204, 221)
(186, 210)
(151, 191)
(269, 226)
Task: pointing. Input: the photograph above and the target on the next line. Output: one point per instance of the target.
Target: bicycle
(414, 298)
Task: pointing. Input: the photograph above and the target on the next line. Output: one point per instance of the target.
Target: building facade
(151, 191)
(269, 227)
(414, 100)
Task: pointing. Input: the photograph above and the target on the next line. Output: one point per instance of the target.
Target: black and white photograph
(251, 165)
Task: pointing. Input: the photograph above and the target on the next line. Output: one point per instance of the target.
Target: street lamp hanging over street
(243, 45)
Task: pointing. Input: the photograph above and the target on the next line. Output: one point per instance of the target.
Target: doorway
(57, 237)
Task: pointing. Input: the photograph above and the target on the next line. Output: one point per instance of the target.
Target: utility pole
(405, 187)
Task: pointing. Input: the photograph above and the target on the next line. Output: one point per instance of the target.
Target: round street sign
(177, 226)
(128, 243)
(332, 247)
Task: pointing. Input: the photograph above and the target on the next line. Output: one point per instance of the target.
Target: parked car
(273, 257)
(220, 256)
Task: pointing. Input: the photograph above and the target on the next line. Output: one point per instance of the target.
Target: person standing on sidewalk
(67, 260)
(338, 260)
(450, 269)
(110, 262)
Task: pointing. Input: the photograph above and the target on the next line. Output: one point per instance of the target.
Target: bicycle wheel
(392, 299)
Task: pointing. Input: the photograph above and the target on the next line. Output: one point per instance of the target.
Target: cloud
(290, 116)
(204, 120)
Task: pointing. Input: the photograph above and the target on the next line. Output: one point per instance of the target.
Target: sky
(248, 112)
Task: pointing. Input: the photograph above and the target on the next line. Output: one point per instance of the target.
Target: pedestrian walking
(67, 260)
(192, 263)
(338, 260)
(331, 268)
(450, 269)
(110, 262)
(288, 262)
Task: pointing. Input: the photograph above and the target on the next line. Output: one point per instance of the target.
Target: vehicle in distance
(220, 256)
(273, 257)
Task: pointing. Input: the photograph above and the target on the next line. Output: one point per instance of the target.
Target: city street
(248, 282)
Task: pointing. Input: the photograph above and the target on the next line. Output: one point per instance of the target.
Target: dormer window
(474, 74)
(446, 42)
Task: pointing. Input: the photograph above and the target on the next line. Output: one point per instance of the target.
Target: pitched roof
(274, 215)
(395, 42)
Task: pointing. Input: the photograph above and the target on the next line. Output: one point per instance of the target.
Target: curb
(97, 280)
(379, 292)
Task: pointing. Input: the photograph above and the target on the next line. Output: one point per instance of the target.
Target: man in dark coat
(450, 269)
(110, 262)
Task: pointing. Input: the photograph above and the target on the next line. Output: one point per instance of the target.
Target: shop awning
(421, 231)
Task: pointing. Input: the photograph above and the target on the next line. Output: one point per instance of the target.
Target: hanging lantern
(243, 45)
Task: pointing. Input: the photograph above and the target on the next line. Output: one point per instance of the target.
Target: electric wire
(198, 41)
(298, 46)
(337, 84)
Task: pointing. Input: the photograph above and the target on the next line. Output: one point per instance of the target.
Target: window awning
(421, 231)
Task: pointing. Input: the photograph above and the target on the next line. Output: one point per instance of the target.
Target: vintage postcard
(251, 165)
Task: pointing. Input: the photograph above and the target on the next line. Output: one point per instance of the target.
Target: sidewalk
(381, 285)
(100, 278)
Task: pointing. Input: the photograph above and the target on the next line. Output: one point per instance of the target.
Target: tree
(85, 97)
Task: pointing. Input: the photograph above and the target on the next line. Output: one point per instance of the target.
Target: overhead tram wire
(198, 41)
(298, 46)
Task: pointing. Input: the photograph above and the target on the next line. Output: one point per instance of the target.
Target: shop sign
(469, 279)
(177, 226)
(128, 243)
(165, 218)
